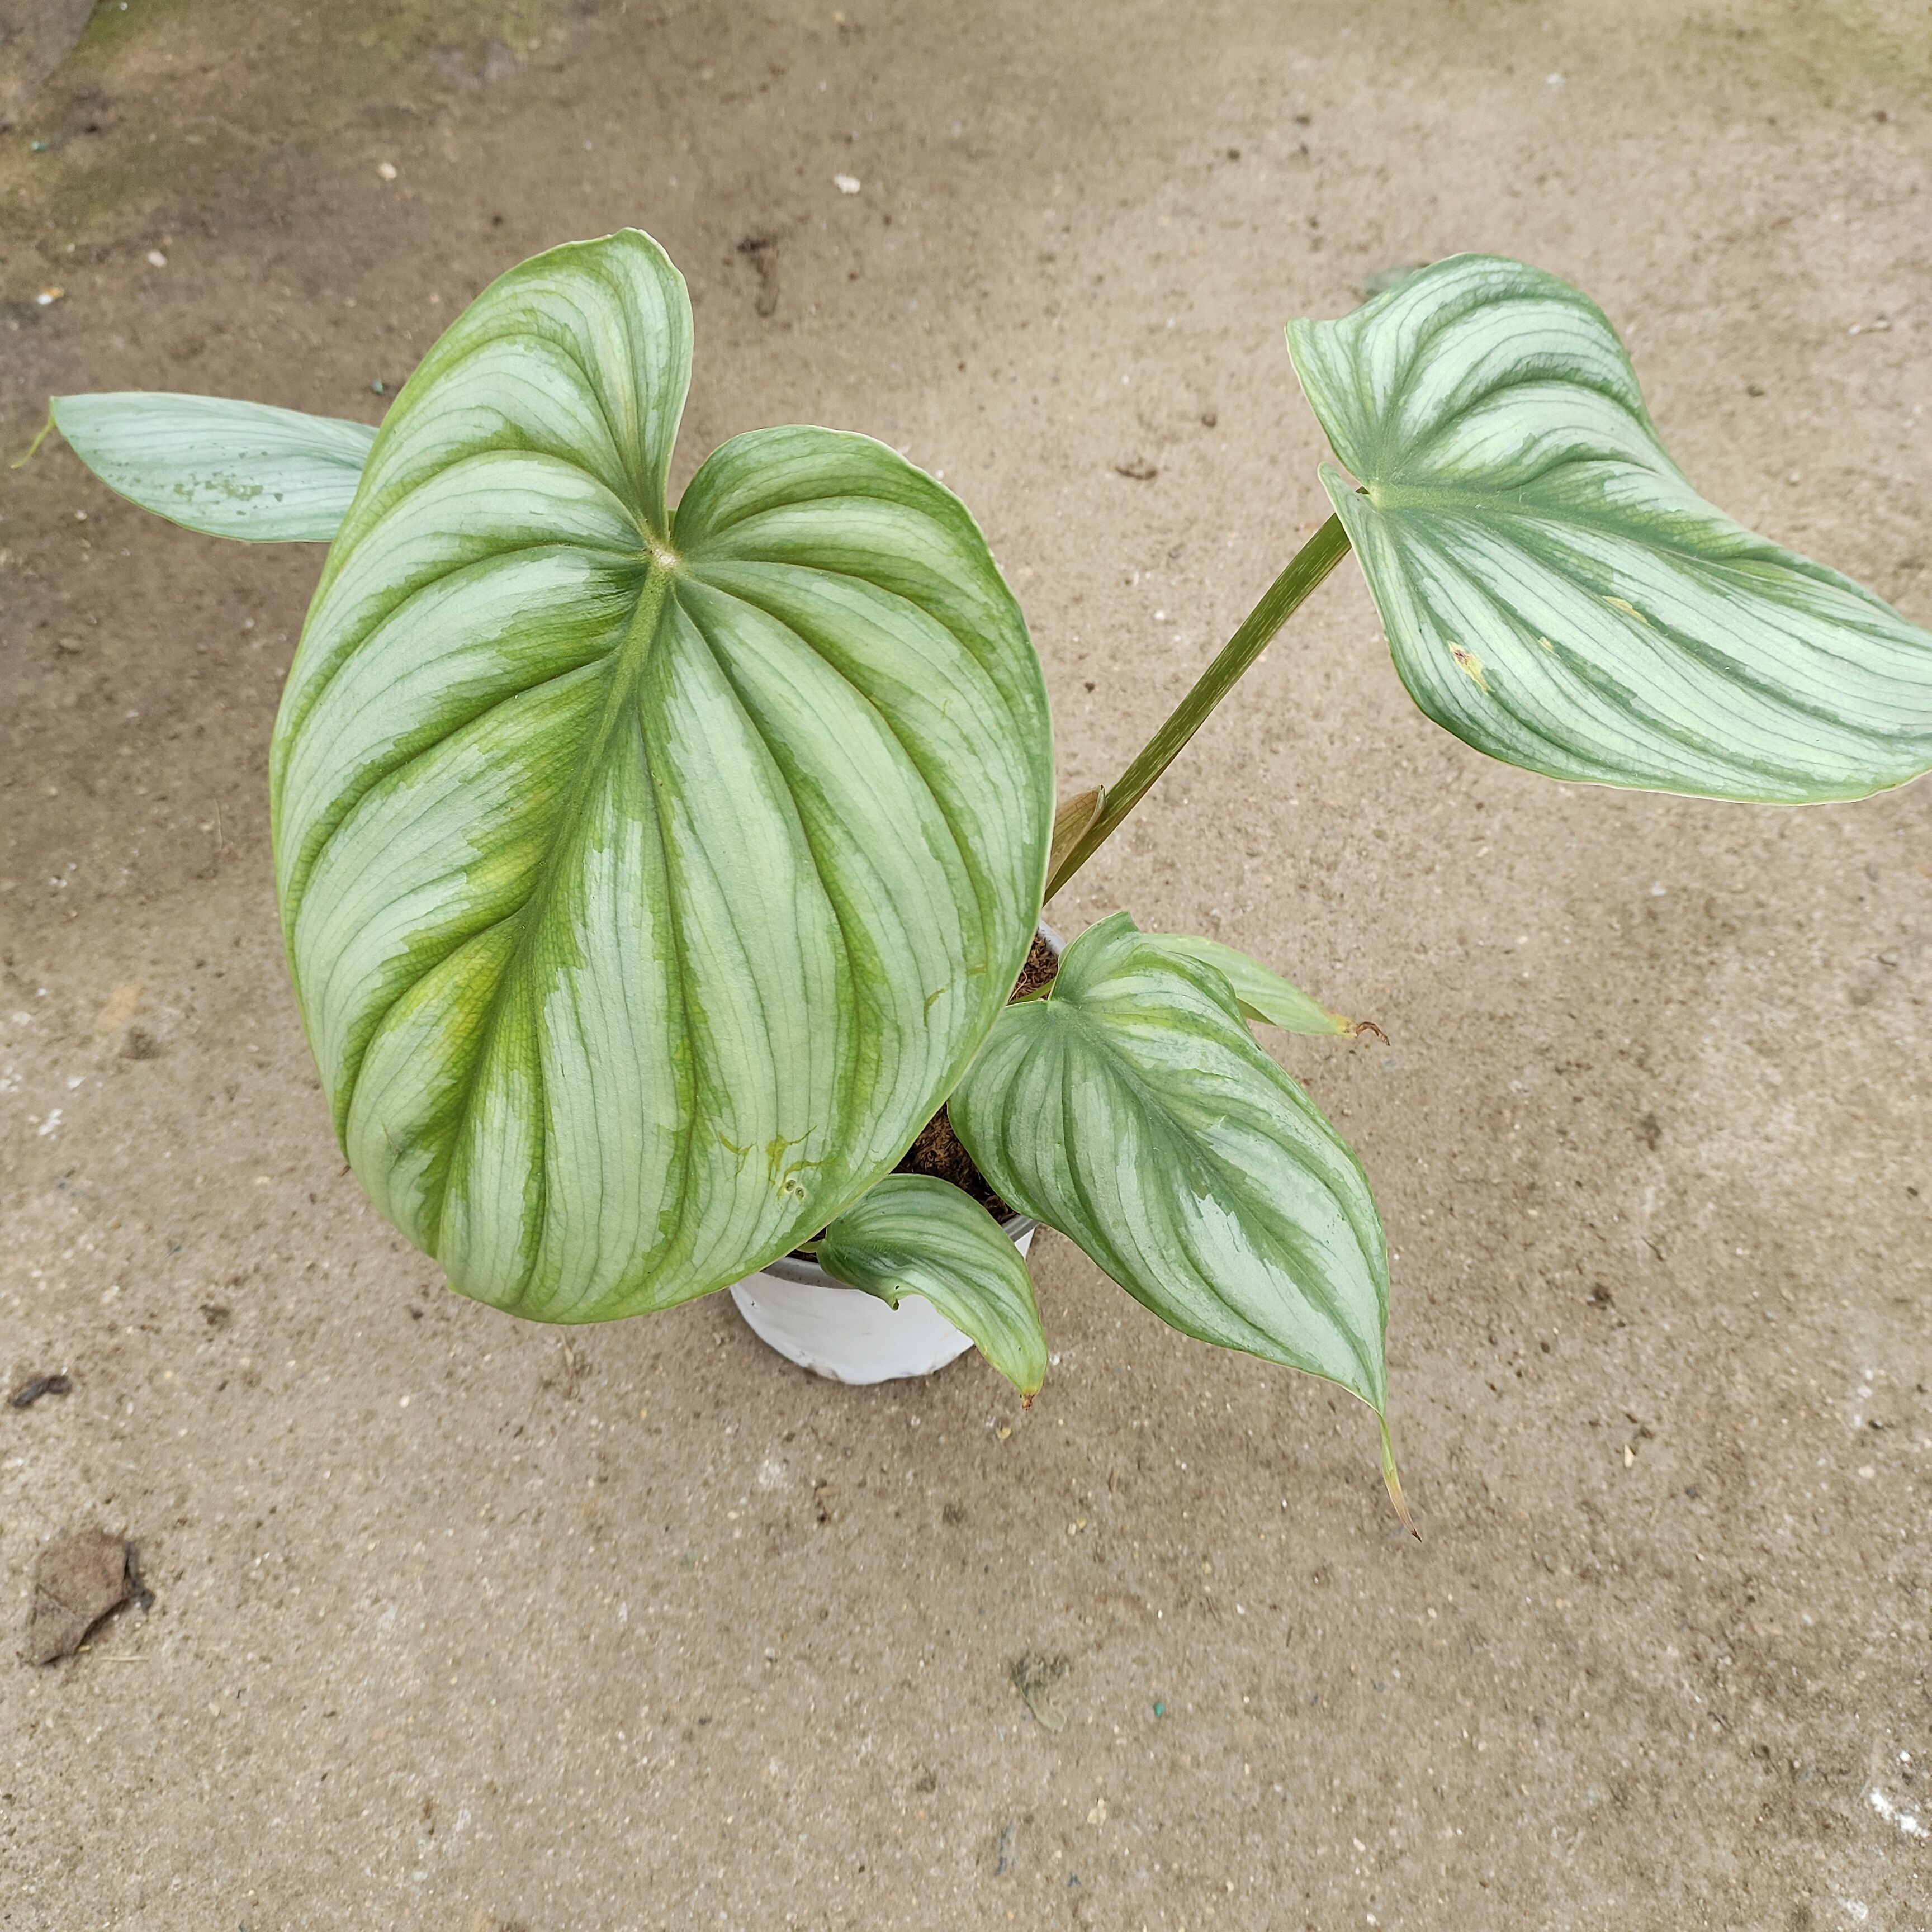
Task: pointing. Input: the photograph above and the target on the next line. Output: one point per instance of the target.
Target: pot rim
(1015, 1227)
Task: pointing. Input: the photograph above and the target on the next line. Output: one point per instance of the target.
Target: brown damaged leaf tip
(1357, 1028)
(1394, 1483)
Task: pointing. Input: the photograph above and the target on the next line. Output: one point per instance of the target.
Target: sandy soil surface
(463, 1623)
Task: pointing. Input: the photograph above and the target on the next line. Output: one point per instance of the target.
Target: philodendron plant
(650, 873)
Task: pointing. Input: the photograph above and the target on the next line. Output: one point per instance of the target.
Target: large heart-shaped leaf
(913, 1234)
(227, 469)
(647, 879)
(1131, 1108)
(1555, 593)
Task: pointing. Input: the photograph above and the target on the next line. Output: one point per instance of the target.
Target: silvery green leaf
(1264, 996)
(1131, 1109)
(227, 469)
(913, 1234)
(648, 878)
(1555, 593)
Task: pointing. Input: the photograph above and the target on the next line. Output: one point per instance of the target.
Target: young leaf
(1069, 825)
(913, 1234)
(227, 469)
(1555, 593)
(1263, 996)
(1131, 1110)
(647, 880)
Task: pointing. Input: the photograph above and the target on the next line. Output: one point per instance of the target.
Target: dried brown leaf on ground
(1036, 1678)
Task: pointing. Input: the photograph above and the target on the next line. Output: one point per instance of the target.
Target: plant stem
(1306, 568)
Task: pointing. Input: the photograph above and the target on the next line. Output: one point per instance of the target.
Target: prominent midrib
(627, 666)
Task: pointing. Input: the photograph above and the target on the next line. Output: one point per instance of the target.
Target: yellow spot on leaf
(779, 1174)
(1547, 644)
(1468, 662)
(1628, 610)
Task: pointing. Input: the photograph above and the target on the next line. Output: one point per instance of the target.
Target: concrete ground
(463, 1623)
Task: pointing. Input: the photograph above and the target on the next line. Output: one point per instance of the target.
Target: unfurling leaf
(227, 469)
(1133, 1110)
(1264, 996)
(1555, 593)
(913, 1234)
(647, 877)
(1070, 825)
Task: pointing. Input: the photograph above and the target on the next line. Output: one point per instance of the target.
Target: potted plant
(653, 876)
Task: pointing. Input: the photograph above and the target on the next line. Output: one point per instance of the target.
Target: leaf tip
(1356, 1028)
(21, 462)
(1393, 1480)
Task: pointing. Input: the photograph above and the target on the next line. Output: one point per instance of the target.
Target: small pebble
(77, 1582)
(31, 1391)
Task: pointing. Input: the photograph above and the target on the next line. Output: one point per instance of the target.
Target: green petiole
(1306, 569)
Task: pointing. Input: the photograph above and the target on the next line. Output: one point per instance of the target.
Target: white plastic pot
(794, 1306)
(843, 1333)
